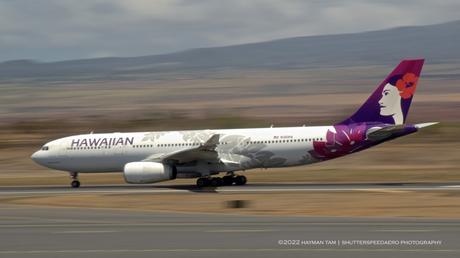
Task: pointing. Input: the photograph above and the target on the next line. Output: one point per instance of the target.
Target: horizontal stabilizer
(378, 133)
(422, 125)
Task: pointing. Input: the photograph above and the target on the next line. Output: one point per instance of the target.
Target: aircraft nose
(37, 157)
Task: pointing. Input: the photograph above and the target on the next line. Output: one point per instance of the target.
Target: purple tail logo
(390, 102)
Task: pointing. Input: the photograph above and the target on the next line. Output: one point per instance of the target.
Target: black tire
(228, 180)
(202, 182)
(240, 180)
(216, 181)
(75, 184)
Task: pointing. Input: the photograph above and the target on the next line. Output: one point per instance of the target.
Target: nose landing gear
(75, 183)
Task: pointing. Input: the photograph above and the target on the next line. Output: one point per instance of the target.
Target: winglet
(422, 125)
(212, 142)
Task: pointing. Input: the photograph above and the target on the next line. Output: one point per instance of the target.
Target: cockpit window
(45, 148)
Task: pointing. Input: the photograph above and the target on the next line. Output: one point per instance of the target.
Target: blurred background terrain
(315, 80)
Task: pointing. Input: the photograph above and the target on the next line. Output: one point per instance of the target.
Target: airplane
(150, 157)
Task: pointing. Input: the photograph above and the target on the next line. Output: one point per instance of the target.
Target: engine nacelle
(148, 172)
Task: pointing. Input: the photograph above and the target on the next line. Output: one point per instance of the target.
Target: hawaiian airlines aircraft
(149, 157)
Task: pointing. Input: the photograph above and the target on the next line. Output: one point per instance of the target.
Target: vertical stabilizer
(390, 102)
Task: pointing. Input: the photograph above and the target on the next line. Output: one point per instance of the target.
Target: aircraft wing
(206, 151)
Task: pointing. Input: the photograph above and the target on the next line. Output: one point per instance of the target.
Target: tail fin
(390, 102)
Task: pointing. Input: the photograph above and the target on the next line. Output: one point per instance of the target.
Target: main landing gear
(221, 181)
(75, 183)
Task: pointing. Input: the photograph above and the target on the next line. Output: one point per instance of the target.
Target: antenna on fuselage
(271, 126)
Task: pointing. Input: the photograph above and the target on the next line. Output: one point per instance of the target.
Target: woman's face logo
(392, 95)
(390, 103)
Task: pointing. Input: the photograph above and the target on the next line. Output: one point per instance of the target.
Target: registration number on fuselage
(282, 137)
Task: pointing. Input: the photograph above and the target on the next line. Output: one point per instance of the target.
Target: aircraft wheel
(228, 180)
(202, 182)
(216, 181)
(240, 180)
(75, 184)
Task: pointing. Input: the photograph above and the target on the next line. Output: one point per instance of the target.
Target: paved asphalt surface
(76, 232)
(164, 189)
(32, 231)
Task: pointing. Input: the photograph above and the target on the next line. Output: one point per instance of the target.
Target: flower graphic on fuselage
(345, 140)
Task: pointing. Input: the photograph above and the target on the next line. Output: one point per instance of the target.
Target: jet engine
(148, 172)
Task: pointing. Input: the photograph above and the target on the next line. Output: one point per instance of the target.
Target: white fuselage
(238, 149)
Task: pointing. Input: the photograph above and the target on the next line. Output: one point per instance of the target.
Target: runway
(82, 232)
(249, 188)
(38, 231)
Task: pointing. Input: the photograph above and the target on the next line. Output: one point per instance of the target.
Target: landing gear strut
(229, 179)
(75, 183)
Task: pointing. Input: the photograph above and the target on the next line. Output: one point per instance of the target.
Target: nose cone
(34, 156)
(37, 157)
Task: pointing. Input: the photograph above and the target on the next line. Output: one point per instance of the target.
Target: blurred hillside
(437, 43)
(314, 79)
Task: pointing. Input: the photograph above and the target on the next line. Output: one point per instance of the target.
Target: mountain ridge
(437, 43)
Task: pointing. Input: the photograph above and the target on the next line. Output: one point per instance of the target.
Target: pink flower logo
(406, 85)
